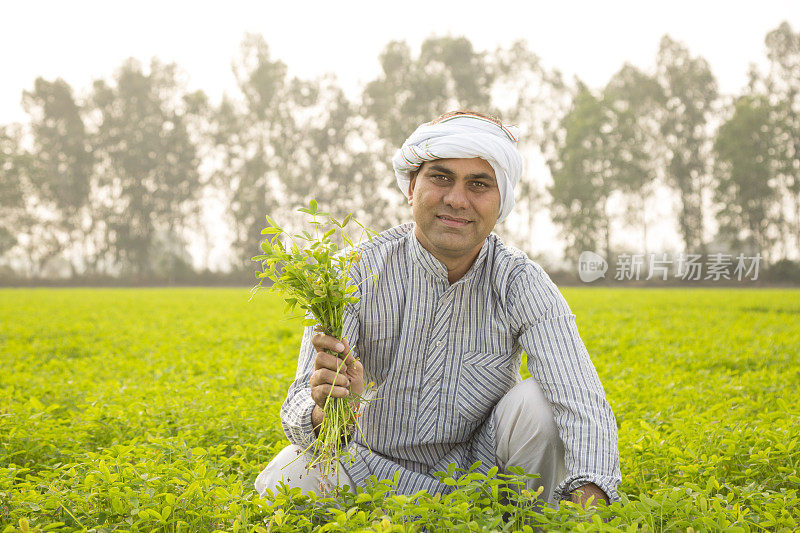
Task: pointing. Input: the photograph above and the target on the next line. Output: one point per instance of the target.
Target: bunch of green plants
(313, 273)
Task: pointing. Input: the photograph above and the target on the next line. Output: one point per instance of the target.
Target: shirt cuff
(607, 484)
(301, 430)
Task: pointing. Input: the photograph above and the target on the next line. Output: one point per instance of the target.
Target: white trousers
(526, 436)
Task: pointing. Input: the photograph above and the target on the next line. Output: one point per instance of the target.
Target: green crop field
(154, 410)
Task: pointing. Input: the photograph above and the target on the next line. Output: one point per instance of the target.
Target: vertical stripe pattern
(441, 356)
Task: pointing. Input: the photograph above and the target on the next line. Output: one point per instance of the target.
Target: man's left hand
(582, 494)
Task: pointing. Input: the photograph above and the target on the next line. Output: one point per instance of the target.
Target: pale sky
(83, 40)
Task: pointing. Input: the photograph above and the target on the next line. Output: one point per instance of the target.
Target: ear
(411, 184)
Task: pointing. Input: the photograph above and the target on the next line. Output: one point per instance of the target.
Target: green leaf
(271, 230)
(118, 506)
(313, 205)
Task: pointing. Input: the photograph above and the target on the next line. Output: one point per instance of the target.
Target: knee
(289, 461)
(538, 410)
(528, 412)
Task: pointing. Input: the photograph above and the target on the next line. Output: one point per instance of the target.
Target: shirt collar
(433, 266)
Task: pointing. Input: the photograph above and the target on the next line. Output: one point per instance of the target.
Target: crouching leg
(527, 436)
(290, 466)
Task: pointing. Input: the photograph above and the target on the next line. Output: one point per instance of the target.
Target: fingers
(350, 358)
(321, 394)
(322, 342)
(322, 388)
(331, 362)
(326, 376)
(330, 378)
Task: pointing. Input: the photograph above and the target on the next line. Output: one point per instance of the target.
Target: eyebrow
(444, 170)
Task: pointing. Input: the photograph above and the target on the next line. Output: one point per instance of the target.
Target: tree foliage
(526, 93)
(634, 103)
(62, 169)
(448, 74)
(746, 173)
(690, 90)
(15, 164)
(114, 182)
(148, 178)
(582, 178)
(254, 140)
(782, 87)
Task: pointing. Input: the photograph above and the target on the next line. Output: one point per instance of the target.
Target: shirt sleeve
(297, 408)
(560, 363)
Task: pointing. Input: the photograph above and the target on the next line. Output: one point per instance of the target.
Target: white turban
(464, 136)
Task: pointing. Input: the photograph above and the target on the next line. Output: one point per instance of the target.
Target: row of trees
(117, 182)
(733, 159)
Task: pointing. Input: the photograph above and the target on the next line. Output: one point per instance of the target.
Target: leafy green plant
(313, 273)
(155, 409)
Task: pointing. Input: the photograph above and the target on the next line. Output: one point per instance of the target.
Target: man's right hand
(325, 381)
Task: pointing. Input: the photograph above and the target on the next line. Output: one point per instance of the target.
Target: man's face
(455, 206)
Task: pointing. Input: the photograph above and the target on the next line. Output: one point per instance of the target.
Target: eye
(480, 184)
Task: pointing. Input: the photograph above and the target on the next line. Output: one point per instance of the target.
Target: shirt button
(439, 344)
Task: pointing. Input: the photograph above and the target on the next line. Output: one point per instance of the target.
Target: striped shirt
(443, 355)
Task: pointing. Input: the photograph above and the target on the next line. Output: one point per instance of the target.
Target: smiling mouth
(453, 222)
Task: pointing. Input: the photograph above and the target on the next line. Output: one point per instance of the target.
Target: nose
(456, 196)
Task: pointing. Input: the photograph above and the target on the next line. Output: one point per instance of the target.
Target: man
(441, 335)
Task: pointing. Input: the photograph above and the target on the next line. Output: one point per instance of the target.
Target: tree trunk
(607, 221)
(685, 233)
(644, 224)
(797, 222)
